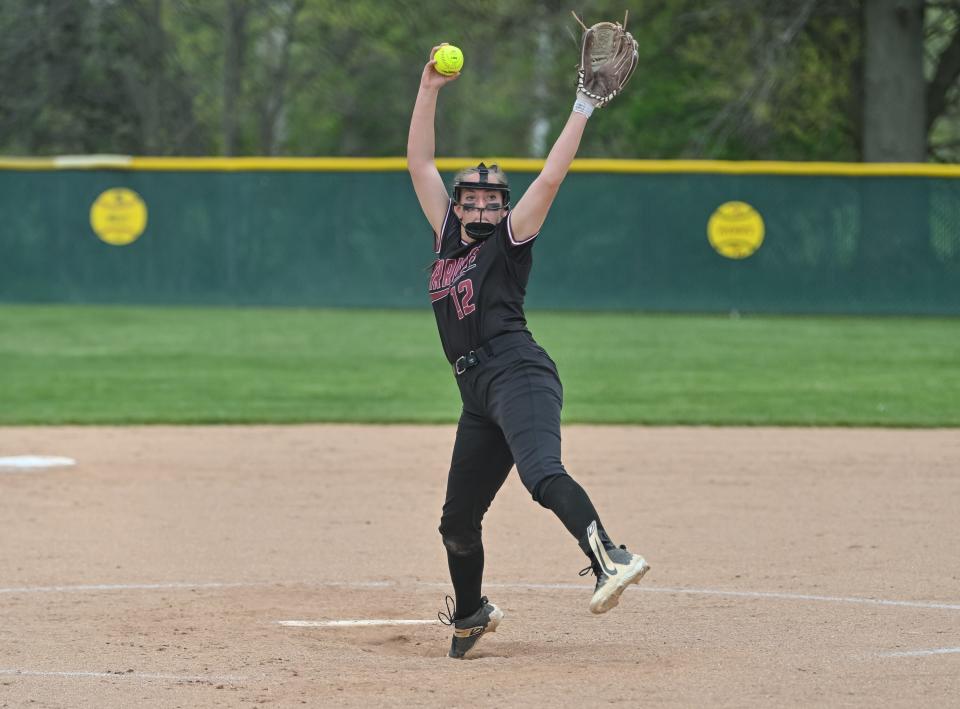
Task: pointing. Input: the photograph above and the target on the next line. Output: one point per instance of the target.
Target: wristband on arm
(584, 105)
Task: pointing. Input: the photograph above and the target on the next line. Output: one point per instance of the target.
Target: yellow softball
(449, 60)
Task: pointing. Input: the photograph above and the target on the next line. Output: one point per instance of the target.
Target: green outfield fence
(644, 235)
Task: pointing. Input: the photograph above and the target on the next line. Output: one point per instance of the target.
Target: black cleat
(615, 569)
(467, 631)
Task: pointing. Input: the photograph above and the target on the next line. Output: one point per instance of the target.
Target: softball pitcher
(510, 388)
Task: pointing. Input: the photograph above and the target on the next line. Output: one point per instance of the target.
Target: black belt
(489, 349)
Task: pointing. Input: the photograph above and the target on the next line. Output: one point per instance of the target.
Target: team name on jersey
(448, 270)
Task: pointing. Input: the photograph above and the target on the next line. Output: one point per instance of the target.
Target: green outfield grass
(82, 364)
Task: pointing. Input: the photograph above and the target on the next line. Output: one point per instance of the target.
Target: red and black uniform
(511, 395)
(478, 289)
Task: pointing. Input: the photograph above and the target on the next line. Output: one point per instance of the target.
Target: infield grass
(119, 365)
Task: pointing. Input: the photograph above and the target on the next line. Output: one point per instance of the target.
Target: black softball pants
(511, 415)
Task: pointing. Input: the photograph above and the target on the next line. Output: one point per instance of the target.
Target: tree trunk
(894, 249)
(276, 54)
(234, 50)
(894, 110)
(156, 58)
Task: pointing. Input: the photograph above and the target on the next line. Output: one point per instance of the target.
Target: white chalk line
(808, 597)
(923, 653)
(125, 587)
(719, 592)
(353, 623)
(774, 595)
(175, 586)
(125, 675)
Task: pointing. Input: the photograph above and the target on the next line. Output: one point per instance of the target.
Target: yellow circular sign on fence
(735, 230)
(118, 216)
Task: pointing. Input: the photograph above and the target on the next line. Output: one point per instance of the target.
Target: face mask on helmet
(479, 229)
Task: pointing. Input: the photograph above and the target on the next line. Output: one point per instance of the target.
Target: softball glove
(608, 58)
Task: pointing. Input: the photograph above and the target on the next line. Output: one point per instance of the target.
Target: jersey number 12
(462, 304)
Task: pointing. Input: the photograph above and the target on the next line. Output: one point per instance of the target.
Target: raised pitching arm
(427, 182)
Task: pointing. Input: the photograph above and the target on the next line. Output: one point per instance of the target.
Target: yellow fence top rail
(246, 164)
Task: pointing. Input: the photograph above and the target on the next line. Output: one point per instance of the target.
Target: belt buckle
(465, 362)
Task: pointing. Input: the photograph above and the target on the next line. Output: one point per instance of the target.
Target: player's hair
(493, 170)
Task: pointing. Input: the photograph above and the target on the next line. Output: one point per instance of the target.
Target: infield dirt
(790, 566)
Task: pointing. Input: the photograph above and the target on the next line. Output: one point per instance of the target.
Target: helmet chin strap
(480, 230)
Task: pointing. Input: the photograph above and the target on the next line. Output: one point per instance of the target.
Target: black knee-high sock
(466, 573)
(570, 502)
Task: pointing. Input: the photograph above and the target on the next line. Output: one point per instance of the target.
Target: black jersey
(477, 289)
